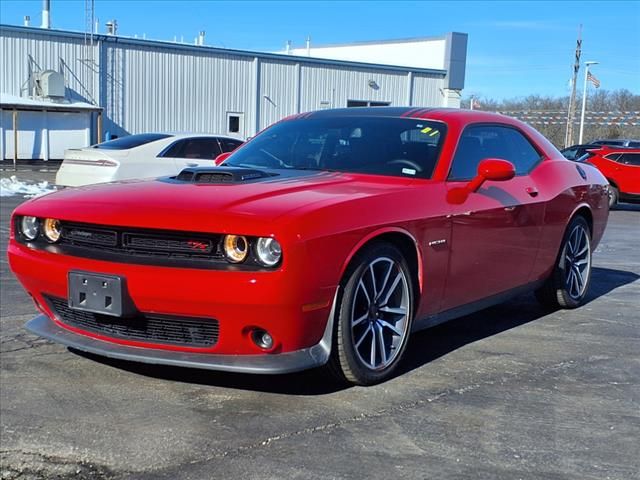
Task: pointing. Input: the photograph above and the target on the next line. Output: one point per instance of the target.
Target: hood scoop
(221, 175)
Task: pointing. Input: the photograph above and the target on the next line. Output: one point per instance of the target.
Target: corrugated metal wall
(428, 90)
(278, 91)
(24, 51)
(154, 86)
(154, 89)
(337, 85)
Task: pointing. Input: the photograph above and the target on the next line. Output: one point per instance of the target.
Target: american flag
(593, 79)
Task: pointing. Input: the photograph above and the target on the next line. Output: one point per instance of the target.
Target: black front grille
(91, 236)
(166, 244)
(95, 240)
(145, 327)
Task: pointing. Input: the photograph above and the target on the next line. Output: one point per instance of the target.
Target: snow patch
(12, 186)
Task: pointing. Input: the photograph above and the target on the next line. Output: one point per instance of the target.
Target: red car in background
(621, 167)
(324, 241)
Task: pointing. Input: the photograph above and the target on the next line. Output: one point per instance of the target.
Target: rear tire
(373, 318)
(568, 284)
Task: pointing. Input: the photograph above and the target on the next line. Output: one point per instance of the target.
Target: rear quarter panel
(565, 193)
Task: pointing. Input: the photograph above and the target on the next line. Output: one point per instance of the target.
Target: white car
(141, 156)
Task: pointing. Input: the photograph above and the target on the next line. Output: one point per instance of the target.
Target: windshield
(374, 145)
(131, 141)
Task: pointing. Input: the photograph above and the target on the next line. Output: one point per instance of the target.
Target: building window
(234, 124)
(365, 103)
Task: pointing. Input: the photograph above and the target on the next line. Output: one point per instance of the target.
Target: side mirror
(493, 169)
(221, 158)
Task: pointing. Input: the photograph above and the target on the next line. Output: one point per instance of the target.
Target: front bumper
(293, 311)
(288, 362)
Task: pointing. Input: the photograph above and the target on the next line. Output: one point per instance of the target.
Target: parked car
(621, 167)
(574, 152)
(618, 142)
(141, 156)
(326, 240)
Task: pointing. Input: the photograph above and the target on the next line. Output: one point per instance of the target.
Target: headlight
(52, 229)
(29, 227)
(236, 248)
(268, 251)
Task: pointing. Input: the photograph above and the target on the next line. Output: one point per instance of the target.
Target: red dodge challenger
(324, 241)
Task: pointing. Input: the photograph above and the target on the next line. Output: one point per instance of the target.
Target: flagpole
(584, 98)
(568, 137)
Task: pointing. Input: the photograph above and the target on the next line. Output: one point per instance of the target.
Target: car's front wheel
(373, 317)
(569, 282)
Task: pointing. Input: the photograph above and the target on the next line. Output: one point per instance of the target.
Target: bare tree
(618, 113)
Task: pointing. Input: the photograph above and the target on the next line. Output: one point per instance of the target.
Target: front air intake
(218, 175)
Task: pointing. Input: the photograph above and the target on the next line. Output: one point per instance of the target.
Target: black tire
(614, 196)
(356, 337)
(568, 284)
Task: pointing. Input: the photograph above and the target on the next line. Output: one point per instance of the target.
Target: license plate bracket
(98, 293)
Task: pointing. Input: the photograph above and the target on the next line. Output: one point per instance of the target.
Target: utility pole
(568, 138)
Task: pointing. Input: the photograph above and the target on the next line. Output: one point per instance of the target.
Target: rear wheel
(374, 317)
(569, 282)
(614, 195)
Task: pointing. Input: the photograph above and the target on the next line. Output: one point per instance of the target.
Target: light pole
(584, 98)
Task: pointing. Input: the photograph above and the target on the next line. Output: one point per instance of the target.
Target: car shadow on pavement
(430, 344)
(424, 346)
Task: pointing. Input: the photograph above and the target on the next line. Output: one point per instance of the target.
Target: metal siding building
(146, 85)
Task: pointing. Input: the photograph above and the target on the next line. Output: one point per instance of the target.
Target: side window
(613, 156)
(630, 159)
(519, 151)
(174, 150)
(229, 145)
(492, 141)
(202, 148)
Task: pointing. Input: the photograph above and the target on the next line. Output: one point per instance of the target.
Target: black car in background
(618, 142)
(574, 152)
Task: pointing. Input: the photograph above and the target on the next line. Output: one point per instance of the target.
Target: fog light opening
(262, 339)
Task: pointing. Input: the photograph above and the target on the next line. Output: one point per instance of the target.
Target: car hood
(168, 204)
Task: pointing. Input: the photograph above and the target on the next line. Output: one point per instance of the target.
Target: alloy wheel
(380, 313)
(577, 262)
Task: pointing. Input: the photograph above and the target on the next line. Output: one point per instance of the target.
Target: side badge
(437, 243)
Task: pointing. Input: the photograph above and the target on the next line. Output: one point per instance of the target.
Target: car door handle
(192, 164)
(533, 191)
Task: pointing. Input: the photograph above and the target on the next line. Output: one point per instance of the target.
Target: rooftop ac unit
(50, 84)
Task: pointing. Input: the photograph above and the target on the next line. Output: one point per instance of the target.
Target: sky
(515, 48)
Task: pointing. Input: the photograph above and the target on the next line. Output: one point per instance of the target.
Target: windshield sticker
(408, 171)
(434, 133)
(426, 130)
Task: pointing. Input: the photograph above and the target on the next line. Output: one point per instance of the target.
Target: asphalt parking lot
(510, 392)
